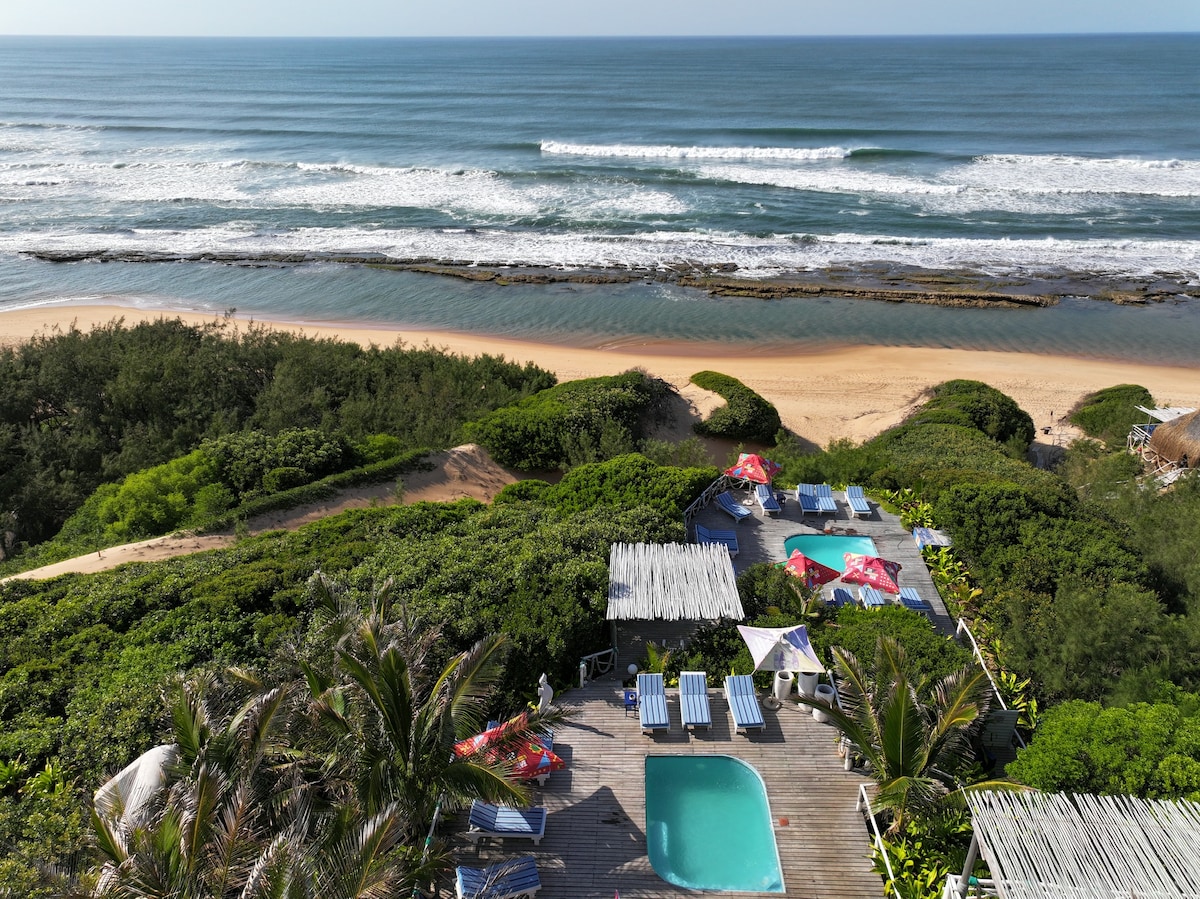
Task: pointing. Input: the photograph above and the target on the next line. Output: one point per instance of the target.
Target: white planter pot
(806, 684)
(783, 684)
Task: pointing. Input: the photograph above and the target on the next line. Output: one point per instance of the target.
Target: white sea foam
(266, 185)
(833, 179)
(754, 257)
(1030, 185)
(664, 151)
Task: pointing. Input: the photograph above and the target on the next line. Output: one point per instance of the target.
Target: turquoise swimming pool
(708, 824)
(829, 550)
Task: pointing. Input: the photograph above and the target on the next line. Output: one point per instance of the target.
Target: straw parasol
(1177, 439)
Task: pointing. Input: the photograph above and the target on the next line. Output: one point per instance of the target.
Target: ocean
(1009, 158)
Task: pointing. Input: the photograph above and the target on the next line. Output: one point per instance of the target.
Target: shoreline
(851, 392)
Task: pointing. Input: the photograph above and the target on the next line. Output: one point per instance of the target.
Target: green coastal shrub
(79, 410)
(974, 404)
(1145, 749)
(627, 481)
(1109, 414)
(745, 415)
(578, 421)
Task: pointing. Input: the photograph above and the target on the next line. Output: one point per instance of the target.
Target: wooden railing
(720, 485)
(864, 805)
(596, 664)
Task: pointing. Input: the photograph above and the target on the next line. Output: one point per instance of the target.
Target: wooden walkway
(595, 843)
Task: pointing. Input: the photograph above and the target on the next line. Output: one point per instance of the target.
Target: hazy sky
(607, 17)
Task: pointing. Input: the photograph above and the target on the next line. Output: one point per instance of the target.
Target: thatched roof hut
(1175, 440)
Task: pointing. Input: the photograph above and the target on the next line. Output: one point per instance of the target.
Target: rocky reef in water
(882, 281)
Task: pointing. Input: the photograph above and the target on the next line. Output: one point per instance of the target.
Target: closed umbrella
(872, 571)
(753, 467)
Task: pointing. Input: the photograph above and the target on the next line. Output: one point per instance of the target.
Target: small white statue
(545, 695)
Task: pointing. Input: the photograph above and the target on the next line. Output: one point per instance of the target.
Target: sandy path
(464, 471)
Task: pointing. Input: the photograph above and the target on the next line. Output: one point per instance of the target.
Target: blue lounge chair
(826, 504)
(693, 699)
(727, 539)
(733, 507)
(503, 880)
(871, 598)
(652, 703)
(487, 820)
(859, 507)
(841, 597)
(807, 501)
(911, 599)
(766, 498)
(743, 703)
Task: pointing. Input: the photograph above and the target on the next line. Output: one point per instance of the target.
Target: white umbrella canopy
(781, 649)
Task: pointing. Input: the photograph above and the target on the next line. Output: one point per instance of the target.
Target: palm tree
(916, 741)
(390, 722)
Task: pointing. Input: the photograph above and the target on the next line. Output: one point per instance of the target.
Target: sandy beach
(849, 392)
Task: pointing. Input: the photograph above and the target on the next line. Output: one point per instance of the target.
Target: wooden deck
(595, 843)
(760, 539)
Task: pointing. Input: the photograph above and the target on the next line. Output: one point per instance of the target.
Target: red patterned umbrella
(753, 467)
(872, 571)
(528, 757)
(812, 572)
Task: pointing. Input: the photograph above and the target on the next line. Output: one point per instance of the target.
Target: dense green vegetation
(1108, 414)
(1083, 588)
(84, 657)
(1142, 749)
(745, 415)
(80, 410)
(580, 421)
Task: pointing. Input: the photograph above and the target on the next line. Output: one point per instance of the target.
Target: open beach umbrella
(872, 571)
(528, 757)
(781, 649)
(812, 572)
(753, 467)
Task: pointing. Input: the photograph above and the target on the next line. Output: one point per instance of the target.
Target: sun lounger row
(911, 599)
(816, 499)
(732, 507)
(693, 702)
(871, 598)
(727, 539)
(766, 499)
(857, 501)
(503, 880)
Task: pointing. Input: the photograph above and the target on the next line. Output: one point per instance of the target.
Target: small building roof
(1167, 413)
(1043, 845)
(671, 581)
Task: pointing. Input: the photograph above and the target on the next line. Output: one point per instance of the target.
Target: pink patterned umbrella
(812, 572)
(528, 757)
(872, 571)
(753, 467)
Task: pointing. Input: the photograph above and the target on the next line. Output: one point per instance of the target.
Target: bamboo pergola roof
(1042, 845)
(672, 582)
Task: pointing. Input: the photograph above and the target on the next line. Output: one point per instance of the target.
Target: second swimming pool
(830, 550)
(708, 824)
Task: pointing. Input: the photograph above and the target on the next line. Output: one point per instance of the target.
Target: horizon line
(846, 35)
